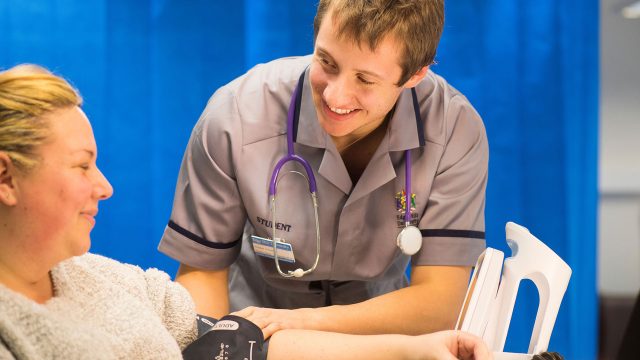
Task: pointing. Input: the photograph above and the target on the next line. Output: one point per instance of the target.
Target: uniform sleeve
(208, 215)
(453, 223)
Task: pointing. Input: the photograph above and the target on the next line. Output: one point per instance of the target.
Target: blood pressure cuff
(230, 338)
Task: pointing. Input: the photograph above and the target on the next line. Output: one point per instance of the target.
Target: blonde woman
(58, 301)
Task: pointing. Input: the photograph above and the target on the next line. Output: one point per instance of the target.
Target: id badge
(264, 247)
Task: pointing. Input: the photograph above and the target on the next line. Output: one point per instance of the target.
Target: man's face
(353, 87)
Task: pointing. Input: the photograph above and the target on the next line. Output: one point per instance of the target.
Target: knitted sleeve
(173, 304)
(5, 354)
(168, 299)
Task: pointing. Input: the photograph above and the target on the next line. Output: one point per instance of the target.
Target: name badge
(264, 247)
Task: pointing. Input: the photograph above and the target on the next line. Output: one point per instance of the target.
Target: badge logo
(401, 207)
(401, 202)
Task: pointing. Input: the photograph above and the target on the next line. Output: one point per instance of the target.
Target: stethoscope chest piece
(409, 240)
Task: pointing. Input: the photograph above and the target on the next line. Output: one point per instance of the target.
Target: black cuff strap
(232, 337)
(205, 323)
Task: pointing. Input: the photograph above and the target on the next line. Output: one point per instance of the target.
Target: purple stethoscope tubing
(407, 186)
(291, 156)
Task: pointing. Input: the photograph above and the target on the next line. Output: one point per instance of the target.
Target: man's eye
(327, 63)
(365, 81)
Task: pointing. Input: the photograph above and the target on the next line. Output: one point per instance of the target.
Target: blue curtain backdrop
(147, 68)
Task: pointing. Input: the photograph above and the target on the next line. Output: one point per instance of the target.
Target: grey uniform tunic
(222, 192)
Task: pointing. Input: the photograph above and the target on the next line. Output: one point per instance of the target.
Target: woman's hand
(451, 345)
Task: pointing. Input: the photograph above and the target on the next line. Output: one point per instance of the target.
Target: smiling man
(388, 147)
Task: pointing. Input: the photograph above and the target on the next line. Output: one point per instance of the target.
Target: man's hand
(272, 320)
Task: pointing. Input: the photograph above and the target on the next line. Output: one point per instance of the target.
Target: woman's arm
(318, 345)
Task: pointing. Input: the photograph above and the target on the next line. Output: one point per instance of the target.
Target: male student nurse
(358, 117)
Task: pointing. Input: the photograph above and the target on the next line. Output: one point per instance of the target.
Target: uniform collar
(309, 132)
(403, 129)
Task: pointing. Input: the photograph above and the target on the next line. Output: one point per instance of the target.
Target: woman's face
(60, 195)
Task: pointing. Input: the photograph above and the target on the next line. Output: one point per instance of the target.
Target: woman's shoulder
(98, 269)
(95, 263)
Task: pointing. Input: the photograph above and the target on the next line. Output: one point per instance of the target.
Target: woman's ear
(7, 180)
(416, 78)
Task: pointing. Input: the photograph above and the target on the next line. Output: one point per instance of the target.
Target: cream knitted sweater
(101, 309)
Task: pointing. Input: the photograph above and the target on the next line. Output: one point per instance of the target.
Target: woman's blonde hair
(27, 94)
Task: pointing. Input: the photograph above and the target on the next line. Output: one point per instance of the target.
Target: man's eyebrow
(323, 52)
(366, 72)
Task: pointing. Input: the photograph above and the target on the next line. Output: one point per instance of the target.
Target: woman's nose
(103, 188)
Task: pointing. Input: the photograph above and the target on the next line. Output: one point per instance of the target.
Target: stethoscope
(409, 240)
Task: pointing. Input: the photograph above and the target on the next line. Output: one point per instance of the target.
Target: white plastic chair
(490, 298)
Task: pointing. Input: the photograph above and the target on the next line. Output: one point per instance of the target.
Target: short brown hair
(27, 94)
(417, 23)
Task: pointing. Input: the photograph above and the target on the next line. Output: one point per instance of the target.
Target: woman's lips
(90, 216)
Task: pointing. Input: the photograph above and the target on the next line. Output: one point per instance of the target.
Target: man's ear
(416, 78)
(7, 180)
